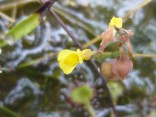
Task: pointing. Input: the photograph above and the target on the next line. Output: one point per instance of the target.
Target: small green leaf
(24, 27)
(21, 29)
(82, 94)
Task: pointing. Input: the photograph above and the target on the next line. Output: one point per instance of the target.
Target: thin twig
(144, 55)
(92, 41)
(116, 54)
(7, 17)
(92, 62)
(8, 112)
(45, 8)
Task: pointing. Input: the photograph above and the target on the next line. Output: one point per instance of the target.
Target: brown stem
(122, 54)
(91, 61)
(129, 47)
(66, 29)
(103, 45)
(45, 7)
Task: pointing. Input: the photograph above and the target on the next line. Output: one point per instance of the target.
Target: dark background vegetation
(33, 85)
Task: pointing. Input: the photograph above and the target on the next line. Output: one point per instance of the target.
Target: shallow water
(32, 83)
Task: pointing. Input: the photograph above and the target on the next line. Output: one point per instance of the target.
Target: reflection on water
(54, 114)
(24, 89)
(38, 88)
(10, 40)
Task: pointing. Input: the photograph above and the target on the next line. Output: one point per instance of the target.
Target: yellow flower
(115, 22)
(69, 59)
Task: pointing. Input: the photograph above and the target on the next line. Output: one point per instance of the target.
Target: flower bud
(107, 37)
(121, 68)
(117, 69)
(106, 69)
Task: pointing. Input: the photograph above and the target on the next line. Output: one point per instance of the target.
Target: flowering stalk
(91, 61)
(90, 109)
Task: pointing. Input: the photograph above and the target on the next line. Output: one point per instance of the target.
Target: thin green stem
(144, 55)
(7, 17)
(117, 54)
(8, 112)
(90, 109)
(96, 39)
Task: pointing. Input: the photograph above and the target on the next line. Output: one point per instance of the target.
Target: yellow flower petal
(68, 60)
(85, 54)
(79, 53)
(115, 22)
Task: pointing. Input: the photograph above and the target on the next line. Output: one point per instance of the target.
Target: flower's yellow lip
(80, 55)
(67, 69)
(115, 22)
(68, 60)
